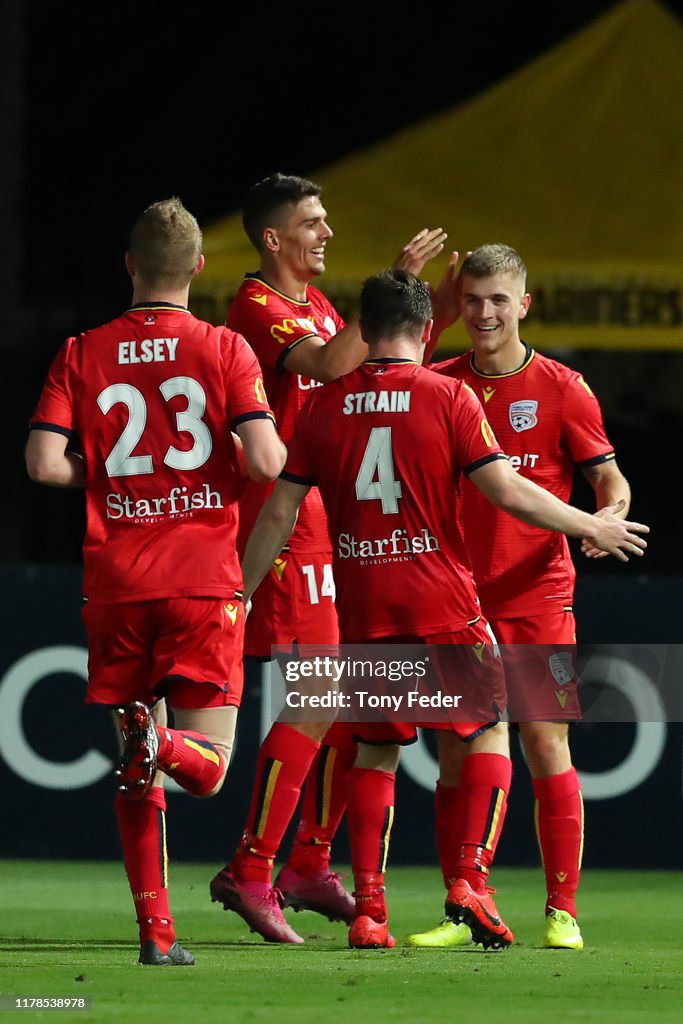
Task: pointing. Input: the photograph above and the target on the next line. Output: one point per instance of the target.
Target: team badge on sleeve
(523, 415)
(487, 434)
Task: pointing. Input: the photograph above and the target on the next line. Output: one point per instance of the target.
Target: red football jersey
(274, 324)
(386, 445)
(548, 421)
(150, 398)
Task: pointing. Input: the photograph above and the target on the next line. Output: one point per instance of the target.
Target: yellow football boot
(561, 931)
(446, 935)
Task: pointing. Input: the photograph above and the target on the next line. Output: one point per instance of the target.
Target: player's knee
(381, 757)
(494, 740)
(547, 751)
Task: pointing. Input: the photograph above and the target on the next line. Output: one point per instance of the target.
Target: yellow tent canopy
(576, 160)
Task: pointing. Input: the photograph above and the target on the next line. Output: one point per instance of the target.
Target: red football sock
(324, 801)
(370, 815)
(283, 761)
(142, 829)
(448, 804)
(559, 826)
(190, 760)
(484, 786)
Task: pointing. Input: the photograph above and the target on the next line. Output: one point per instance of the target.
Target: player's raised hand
(426, 244)
(447, 296)
(615, 536)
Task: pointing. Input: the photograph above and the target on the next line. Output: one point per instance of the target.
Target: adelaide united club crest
(523, 415)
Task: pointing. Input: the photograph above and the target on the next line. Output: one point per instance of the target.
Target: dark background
(109, 109)
(134, 105)
(127, 105)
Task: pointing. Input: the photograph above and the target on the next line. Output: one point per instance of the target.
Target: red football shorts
(293, 604)
(188, 649)
(376, 734)
(539, 658)
(465, 660)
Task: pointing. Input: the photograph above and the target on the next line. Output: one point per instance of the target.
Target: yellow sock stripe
(538, 832)
(488, 845)
(327, 786)
(164, 851)
(581, 847)
(210, 755)
(267, 797)
(386, 838)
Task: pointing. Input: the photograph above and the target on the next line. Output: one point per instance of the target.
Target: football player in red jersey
(151, 400)
(387, 445)
(302, 342)
(549, 423)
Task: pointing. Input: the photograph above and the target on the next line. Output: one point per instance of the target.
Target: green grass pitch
(67, 929)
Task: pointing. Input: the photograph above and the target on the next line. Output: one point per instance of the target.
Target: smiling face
(491, 310)
(298, 242)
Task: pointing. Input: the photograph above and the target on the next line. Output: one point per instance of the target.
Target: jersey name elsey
(150, 350)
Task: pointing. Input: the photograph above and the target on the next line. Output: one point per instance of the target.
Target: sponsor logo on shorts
(231, 611)
(562, 667)
(279, 566)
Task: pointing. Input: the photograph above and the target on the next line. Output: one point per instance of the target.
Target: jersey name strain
(377, 401)
(387, 452)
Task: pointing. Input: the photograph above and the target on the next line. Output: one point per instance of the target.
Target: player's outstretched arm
(533, 504)
(325, 362)
(263, 452)
(275, 523)
(48, 461)
(612, 495)
(346, 350)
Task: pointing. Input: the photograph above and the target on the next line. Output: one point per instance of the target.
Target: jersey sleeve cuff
(494, 457)
(53, 427)
(280, 365)
(258, 414)
(294, 478)
(597, 460)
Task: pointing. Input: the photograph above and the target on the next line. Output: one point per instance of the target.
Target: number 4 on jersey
(378, 462)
